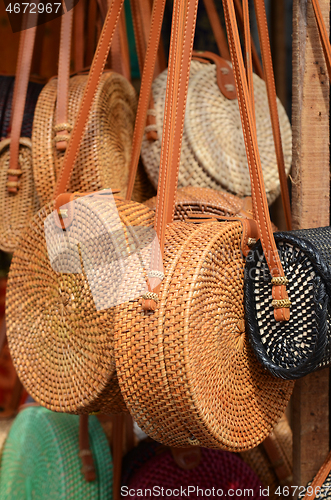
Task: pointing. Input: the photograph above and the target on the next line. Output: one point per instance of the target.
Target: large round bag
(105, 151)
(41, 457)
(213, 150)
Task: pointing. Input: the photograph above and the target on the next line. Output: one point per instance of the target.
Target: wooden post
(310, 208)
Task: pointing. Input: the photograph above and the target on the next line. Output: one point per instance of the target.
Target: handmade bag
(294, 348)
(197, 374)
(80, 337)
(103, 160)
(213, 151)
(41, 453)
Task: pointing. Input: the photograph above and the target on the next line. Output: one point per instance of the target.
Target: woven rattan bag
(41, 454)
(213, 150)
(301, 345)
(103, 161)
(198, 380)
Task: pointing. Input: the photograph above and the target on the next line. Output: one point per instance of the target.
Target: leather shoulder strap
(62, 128)
(20, 91)
(216, 26)
(260, 206)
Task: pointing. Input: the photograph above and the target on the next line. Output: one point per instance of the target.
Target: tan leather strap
(79, 38)
(94, 77)
(181, 46)
(85, 453)
(216, 26)
(145, 90)
(323, 35)
(256, 60)
(91, 30)
(248, 53)
(18, 65)
(20, 91)
(62, 128)
(260, 206)
(319, 478)
(272, 98)
(119, 50)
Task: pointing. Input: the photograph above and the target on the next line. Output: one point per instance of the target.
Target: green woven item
(40, 459)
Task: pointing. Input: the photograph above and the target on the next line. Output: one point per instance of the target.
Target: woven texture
(104, 155)
(213, 151)
(259, 461)
(16, 209)
(198, 381)
(41, 457)
(303, 344)
(217, 469)
(194, 200)
(61, 345)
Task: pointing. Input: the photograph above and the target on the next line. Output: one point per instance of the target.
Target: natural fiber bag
(103, 160)
(41, 454)
(198, 381)
(301, 345)
(213, 150)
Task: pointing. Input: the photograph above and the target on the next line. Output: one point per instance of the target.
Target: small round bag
(41, 454)
(213, 151)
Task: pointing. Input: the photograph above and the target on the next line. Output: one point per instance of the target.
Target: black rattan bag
(294, 348)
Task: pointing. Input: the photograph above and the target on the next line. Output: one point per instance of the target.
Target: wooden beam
(310, 208)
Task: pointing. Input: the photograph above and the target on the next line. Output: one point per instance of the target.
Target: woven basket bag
(213, 150)
(198, 381)
(295, 348)
(41, 454)
(217, 470)
(103, 160)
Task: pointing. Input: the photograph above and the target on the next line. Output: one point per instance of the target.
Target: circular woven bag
(41, 457)
(213, 150)
(105, 151)
(60, 343)
(217, 470)
(198, 380)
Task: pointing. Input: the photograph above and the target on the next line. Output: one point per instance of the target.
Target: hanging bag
(213, 151)
(198, 381)
(301, 345)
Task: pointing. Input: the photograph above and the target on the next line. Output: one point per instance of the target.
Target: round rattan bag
(41, 459)
(213, 150)
(59, 325)
(186, 370)
(105, 151)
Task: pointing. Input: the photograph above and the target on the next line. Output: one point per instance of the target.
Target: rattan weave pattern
(187, 371)
(16, 208)
(213, 151)
(103, 160)
(41, 459)
(61, 345)
(192, 200)
(302, 345)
